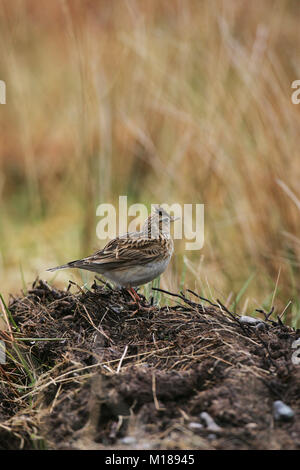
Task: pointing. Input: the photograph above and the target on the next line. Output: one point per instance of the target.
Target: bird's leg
(136, 298)
(135, 294)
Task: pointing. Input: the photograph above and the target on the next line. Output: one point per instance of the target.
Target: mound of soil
(85, 371)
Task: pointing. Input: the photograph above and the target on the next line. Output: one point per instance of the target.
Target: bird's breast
(139, 274)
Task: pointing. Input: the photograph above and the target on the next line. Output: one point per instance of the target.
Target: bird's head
(158, 223)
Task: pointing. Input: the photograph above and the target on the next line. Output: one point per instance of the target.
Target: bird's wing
(123, 252)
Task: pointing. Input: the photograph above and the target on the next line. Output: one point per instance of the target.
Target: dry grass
(165, 102)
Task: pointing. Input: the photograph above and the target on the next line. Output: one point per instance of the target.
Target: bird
(134, 258)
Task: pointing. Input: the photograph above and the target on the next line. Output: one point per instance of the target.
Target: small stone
(128, 440)
(249, 320)
(251, 426)
(261, 326)
(194, 425)
(116, 309)
(210, 424)
(282, 412)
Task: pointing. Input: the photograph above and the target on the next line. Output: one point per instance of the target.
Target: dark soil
(110, 380)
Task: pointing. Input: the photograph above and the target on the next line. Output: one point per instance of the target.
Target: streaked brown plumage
(134, 258)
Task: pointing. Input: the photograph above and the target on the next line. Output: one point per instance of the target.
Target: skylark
(134, 258)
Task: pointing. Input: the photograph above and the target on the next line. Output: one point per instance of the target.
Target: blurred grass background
(183, 101)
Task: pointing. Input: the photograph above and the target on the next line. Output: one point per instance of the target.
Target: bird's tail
(72, 264)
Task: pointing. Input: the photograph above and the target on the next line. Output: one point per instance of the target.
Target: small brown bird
(134, 258)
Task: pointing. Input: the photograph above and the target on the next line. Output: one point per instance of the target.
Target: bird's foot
(137, 301)
(134, 295)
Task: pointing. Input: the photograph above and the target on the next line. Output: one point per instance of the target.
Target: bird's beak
(174, 218)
